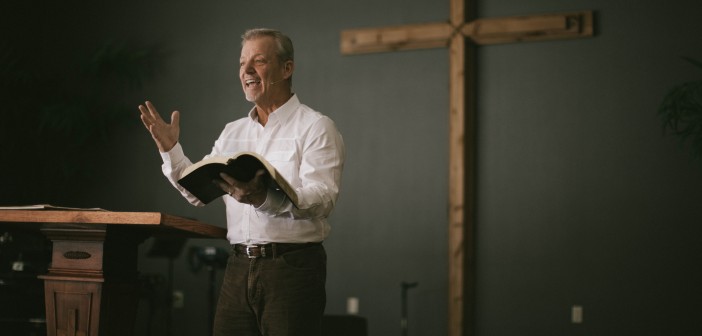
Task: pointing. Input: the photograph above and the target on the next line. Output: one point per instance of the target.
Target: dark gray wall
(581, 199)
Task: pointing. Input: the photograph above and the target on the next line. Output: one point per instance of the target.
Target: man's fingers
(229, 188)
(147, 114)
(236, 189)
(145, 117)
(223, 185)
(175, 118)
(151, 117)
(146, 123)
(227, 178)
(153, 113)
(165, 135)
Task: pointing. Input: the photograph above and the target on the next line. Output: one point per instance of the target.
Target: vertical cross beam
(461, 168)
(462, 159)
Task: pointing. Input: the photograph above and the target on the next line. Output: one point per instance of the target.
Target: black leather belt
(269, 250)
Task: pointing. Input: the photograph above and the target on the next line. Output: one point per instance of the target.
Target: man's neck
(265, 110)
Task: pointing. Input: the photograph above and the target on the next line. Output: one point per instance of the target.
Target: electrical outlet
(178, 299)
(576, 314)
(352, 305)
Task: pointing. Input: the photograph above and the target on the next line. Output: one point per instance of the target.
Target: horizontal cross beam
(405, 37)
(481, 31)
(529, 28)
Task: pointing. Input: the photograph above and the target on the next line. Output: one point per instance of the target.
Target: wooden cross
(453, 34)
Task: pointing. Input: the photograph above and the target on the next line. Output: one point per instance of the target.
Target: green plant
(681, 112)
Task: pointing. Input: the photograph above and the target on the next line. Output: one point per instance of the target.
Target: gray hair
(285, 51)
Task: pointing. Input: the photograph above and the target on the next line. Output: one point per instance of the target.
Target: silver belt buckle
(251, 252)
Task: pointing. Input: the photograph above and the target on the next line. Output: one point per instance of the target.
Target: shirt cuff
(274, 201)
(174, 155)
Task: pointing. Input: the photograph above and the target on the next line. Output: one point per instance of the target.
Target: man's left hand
(253, 192)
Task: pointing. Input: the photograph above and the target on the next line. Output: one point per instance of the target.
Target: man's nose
(248, 67)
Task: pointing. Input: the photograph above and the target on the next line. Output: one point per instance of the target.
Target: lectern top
(149, 220)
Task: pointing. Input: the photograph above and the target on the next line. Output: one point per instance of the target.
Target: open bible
(198, 178)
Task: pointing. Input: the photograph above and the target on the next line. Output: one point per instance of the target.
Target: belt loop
(274, 249)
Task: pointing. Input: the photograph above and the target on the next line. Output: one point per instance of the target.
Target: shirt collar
(282, 113)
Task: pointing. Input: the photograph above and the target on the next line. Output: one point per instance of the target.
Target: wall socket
(576, 314)
(178, 299)
(352, 305)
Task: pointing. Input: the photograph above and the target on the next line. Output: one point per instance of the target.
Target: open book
(197, 178)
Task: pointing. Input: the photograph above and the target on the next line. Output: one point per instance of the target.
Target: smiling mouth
(250, 82)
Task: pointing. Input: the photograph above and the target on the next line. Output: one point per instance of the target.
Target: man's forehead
(260, 45)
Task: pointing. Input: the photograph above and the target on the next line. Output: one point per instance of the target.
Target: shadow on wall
(57, 113)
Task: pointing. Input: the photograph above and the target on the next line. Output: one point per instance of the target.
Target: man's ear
(288, 68)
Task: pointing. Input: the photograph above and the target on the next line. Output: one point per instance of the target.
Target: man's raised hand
(164, 134)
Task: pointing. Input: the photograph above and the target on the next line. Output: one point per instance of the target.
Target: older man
(274, 283)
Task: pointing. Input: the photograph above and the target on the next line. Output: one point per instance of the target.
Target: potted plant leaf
(681, 112)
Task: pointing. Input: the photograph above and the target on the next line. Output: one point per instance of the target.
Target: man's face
(260, 71)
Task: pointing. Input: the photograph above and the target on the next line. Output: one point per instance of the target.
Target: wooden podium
(92, 288)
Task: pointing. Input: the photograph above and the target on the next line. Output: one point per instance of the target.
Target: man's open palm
(165, 135)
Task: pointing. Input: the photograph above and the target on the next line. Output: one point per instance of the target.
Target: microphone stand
(403, 322)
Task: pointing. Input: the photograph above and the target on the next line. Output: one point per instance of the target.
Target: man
(275, 277)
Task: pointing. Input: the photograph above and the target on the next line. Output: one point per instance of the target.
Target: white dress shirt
(305, 147)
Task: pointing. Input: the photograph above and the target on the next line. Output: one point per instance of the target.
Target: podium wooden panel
(91, 288)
